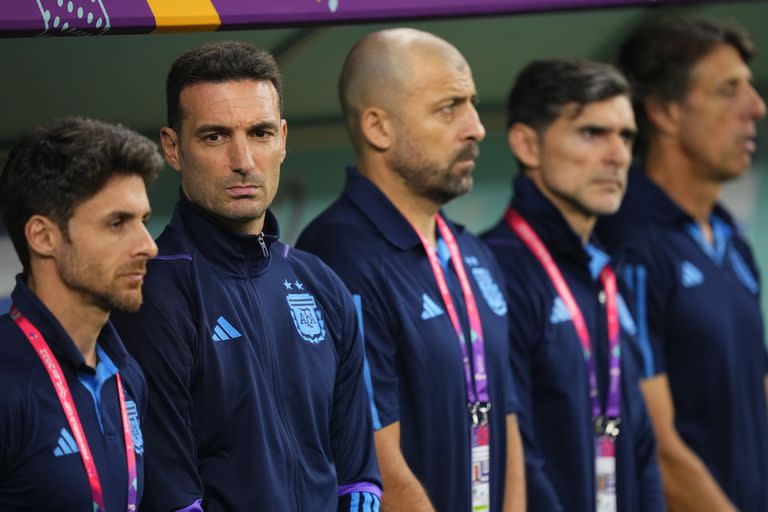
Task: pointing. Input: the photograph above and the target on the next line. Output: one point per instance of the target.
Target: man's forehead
(615, 108)
(442, 78)
(721, 64)
(123, 192)
(227, 101)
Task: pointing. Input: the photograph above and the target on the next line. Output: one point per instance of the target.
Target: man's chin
(445, 195)
(128, 302)
(606, 210)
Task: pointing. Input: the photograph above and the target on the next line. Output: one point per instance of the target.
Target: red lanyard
(70, 411)
(477, 388)
(605, 423)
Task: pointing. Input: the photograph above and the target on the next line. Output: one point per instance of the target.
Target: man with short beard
(73, 198)
(429, 294)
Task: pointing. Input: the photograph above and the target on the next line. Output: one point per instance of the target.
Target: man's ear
(284, 130)
(664, 116)
(43, 236)
(170, 142)
(376, 128)
(525, 143)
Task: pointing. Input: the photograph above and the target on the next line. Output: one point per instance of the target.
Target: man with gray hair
(430, 295)
(693, 270)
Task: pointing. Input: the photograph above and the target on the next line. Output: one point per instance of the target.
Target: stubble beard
(89, 280)
(431, 180)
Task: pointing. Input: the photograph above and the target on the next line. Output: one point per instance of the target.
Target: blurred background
(121, 78)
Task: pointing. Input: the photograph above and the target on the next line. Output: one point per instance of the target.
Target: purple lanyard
(477, 388)
(604, 423)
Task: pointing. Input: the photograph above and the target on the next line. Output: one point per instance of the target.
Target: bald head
(384, 67)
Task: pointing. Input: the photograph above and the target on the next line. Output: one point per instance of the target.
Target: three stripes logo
(430, 308)
(223, 331)
(559, 312)
(690, 275)
(66, 444)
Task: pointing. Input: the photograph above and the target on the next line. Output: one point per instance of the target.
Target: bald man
(429, 295)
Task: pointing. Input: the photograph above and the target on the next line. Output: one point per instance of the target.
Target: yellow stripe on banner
(184, 15)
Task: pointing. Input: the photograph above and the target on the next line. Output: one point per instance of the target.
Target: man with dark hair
(252, 350)
(589, 443)
(73, 198)
(428, 292)
(694, 275)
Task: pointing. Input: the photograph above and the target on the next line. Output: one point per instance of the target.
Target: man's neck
(246, 227)
(82, 321)
(581, 222)
(419, 211)
(677, 176)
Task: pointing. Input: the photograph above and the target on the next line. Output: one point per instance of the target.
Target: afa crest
(306, 317)
(133, 420)
(490, 290)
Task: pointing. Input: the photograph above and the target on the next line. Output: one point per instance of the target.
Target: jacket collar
(552, 227)
(240, 255)
(58, 339)
(647, 202)
(387, 219)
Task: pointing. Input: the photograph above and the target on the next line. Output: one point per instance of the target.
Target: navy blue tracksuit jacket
(254, 361)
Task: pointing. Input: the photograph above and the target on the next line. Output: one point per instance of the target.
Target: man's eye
(629, 137)
(213, 137)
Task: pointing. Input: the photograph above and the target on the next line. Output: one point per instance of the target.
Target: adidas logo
(430, 308)
(67, 444)
(223, 330)
(691, 276)
(559, 312)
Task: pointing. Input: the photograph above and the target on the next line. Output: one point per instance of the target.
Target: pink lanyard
(477, 388)
(70, 411)
(604, 423)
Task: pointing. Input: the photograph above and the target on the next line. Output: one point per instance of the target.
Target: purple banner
(74, 17)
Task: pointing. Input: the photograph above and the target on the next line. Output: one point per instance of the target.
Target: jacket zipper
(263, 245)
(287, 437)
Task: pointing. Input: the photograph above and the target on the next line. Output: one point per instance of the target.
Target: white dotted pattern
(74, 16)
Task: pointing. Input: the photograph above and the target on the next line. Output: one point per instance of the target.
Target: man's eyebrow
(125, 214)
(264, 125)
(594, 127)
(206, 128)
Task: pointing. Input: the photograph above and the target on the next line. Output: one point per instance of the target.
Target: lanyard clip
(479, 412)
(607, 426)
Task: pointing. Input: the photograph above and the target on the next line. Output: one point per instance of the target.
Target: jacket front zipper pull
(263, 245)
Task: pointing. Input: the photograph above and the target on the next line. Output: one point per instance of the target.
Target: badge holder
(481, 457)
(606, 431)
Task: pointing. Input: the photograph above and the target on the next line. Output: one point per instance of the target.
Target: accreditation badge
(605, 474)
(481, 468)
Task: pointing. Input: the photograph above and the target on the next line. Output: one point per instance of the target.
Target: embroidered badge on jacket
(306, 317)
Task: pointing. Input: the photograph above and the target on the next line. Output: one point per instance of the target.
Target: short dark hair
(658, 57)
(544, 87)
(56, 167)
(219, 62)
